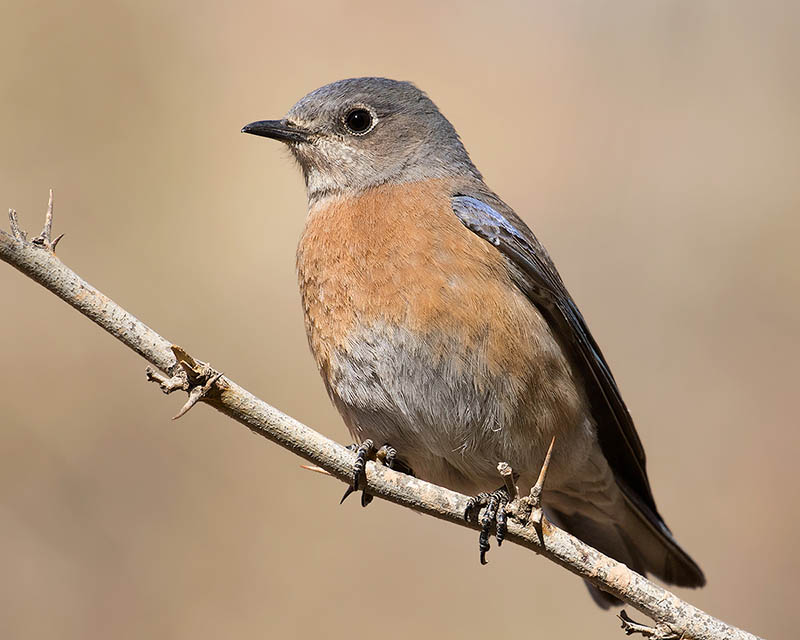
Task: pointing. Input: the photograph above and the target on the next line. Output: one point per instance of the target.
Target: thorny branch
(675, 619)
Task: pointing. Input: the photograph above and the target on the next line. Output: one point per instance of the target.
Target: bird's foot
(387, 455)
(505, 503)
(494, 514)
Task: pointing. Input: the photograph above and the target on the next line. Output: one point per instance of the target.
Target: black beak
(277, 130)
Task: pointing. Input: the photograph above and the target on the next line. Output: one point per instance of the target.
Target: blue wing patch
(477, 215)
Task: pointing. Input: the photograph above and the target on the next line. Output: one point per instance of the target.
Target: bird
(443, 332)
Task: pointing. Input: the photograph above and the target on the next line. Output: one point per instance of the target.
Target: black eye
(358, 121)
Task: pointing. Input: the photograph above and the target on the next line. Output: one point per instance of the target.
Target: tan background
(653, 146)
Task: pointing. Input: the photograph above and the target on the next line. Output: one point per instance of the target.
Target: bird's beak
(282, 130)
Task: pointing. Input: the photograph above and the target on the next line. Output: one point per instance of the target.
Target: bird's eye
(358, 121)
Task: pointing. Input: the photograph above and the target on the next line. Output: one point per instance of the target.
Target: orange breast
(397, 254)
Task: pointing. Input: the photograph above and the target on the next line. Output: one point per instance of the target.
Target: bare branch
(37, 260)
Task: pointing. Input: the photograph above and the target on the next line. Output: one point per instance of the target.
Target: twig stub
(168, 385)
(507, 473)
(659, 632)
(16, 231)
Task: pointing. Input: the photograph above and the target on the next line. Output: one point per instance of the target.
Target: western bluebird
(443, 331)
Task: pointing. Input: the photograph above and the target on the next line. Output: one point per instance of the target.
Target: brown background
(653, 146)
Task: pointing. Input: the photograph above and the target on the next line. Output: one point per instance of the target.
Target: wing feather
(536, 275)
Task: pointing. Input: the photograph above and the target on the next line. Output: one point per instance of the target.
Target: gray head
(359, 133)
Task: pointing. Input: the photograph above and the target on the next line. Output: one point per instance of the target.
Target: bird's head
(359, 133)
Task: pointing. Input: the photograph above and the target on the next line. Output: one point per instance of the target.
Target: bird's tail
(619, 526)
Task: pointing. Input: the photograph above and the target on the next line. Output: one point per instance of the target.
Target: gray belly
(449, 415)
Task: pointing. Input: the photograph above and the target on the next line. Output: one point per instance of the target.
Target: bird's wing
(535, 274)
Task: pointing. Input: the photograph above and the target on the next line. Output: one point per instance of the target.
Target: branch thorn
(537, 516)
(315, 469)
(538, 488)
(44, 238)
(196, 394)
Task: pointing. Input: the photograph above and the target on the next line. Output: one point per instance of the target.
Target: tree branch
(37, 259)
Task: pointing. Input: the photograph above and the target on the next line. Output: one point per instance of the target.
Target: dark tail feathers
(637, 538)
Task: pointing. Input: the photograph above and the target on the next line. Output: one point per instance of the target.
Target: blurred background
(654, 148)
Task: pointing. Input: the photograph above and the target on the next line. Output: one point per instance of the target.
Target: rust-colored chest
(398, 256)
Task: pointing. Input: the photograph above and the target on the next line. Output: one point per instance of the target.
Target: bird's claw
(494, 514)
(387, 454)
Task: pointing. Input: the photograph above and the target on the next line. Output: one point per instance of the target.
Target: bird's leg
(387, 455)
